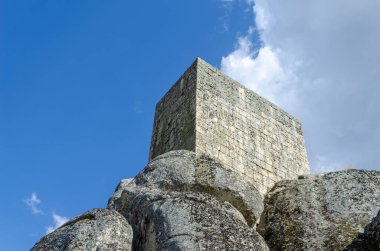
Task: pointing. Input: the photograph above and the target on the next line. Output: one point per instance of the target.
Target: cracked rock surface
(97, 229)
(322, 212)
(370, 239)
(187, 201)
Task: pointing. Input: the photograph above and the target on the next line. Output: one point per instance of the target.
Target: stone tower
(208, 112)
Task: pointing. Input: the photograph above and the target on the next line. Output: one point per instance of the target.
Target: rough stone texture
(370, 239)
(324, 212)
(97, 229)
(208, 112)
(174, 120)
(187, 201)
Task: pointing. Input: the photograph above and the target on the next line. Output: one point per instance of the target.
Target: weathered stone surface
(187, 171)
(325, 212)
(208, 112)
(187, 201)
(370, 239)
(97, 229)
(192, 221)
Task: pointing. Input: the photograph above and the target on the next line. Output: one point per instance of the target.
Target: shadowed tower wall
(208, 112)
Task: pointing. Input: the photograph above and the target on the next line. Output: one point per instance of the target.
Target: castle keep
(183, 200)
(208, 112)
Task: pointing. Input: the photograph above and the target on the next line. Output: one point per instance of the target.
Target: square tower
(207, 112)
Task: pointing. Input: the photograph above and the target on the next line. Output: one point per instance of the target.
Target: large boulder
(323, 212)
(97, 230)
(187, 201)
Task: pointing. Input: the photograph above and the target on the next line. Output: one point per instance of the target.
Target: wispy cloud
(229, 7)
(138, 107)
(323, 164)
(58, 221)
(33, 203)
(226, 5)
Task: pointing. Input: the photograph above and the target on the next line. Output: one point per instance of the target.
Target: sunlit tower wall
(207, 112)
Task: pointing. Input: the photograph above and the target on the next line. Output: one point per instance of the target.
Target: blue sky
(78, 85)
(79, 81)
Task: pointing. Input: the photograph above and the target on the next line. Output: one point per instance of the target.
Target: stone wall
(208, 112)
(245, 131)
(174, 120)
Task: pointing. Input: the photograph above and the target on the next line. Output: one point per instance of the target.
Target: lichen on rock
(323, 212)
(187, 201)
(97, 229)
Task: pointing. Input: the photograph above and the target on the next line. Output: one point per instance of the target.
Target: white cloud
(261, 17)
(262, 73)
(33, 203)
(58, 221)
(320, 60)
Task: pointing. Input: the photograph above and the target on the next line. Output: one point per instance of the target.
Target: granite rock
(185, 171)
(323, 212)
(370, 239)
(97, 229)
(187, 201)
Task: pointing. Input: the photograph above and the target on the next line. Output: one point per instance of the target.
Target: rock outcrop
(323, 212)
(187, 201)
(370, 239)
(97, 229)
